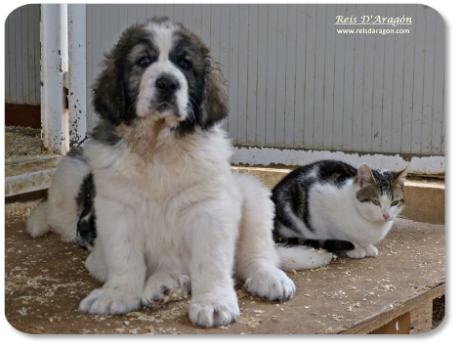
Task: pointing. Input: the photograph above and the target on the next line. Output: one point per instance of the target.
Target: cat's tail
(300, 257)
(37, 224)
(330, 245)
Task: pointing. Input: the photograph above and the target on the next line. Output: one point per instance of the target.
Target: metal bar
(53, 37)
(77, 73)
(26, 174)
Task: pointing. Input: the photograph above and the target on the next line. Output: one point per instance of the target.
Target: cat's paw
(162, 287)
(272, 284)
(371, 250)
(357, 253)
(211, 310)
(109, 301)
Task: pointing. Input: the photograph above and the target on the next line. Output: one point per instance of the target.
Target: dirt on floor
(22, 141)
(46, 279)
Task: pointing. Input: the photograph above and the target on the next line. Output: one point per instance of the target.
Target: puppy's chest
(169, 178)
(151, 174)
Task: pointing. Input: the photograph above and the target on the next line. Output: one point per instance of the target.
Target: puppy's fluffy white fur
(60, 212)
(171, 215)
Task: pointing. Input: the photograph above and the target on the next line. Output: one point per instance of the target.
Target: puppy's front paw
(109, 302)
(270, 283)
(162, 287)
(210, 310)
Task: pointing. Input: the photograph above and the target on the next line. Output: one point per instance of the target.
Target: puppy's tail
(300, 257)
(37, 224)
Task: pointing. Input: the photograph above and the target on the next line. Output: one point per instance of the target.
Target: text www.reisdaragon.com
(377, 31)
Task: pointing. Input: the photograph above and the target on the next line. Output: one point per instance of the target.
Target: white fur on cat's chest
(334, 214)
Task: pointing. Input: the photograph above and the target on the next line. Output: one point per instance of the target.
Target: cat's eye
(375, 202)
(394, 203)
(144, 61)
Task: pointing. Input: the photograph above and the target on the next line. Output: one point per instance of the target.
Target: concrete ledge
(425, 199)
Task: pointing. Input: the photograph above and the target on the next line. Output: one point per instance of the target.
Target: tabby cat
(332, 205)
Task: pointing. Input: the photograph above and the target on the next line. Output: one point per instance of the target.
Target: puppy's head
(161, 70)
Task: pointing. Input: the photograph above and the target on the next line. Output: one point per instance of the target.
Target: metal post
(53, 37)
(77, 73)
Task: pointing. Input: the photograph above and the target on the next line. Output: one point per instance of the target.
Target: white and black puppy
(169, 212)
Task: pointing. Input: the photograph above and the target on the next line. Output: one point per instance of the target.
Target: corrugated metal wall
(22, 56)
(294, 82)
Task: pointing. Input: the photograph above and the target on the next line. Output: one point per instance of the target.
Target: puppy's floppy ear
(215, 101)
(109, 93)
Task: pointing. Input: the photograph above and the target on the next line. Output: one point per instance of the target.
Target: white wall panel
(22, 56)
(295, 83)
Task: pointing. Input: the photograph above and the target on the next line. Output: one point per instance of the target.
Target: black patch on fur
(188, 48)
(114, 94)
(105, 133)
(330, 245)
(384, 182)
(77, 153)
(86, 226)
(293, 192)
(294, 188)
(335, 172)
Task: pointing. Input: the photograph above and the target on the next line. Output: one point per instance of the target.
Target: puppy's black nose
(167, 84)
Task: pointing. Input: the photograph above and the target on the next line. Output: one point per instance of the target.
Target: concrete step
(424, 198)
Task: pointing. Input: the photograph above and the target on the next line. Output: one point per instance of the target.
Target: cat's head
(380, 193)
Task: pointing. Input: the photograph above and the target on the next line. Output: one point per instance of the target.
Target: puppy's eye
(144, 61)
(185, 64)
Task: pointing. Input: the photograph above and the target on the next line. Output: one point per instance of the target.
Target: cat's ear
(399, 177)
(365, 176)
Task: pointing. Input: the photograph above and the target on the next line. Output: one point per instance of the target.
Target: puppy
(169, 213)
(61, 210)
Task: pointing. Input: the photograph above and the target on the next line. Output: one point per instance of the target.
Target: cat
(332, 205)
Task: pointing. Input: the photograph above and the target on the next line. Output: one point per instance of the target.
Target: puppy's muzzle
(167, 85)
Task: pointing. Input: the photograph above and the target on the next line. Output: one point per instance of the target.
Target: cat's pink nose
(386, 216)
